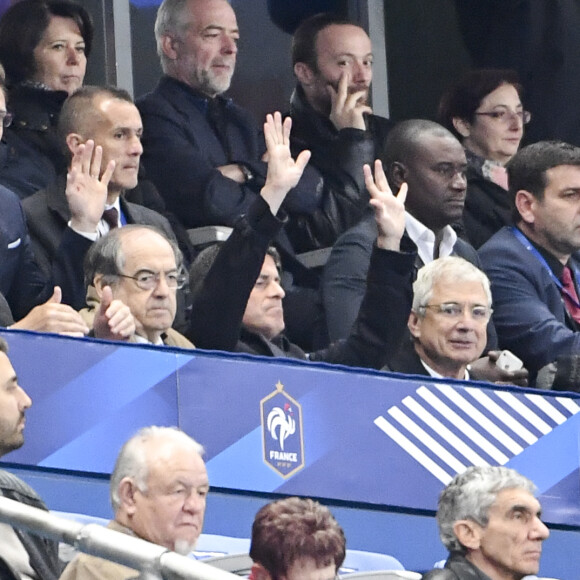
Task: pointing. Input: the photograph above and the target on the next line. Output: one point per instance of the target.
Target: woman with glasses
(44, 45)
(484, 111)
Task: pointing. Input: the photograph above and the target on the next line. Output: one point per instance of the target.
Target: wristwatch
(248, 174)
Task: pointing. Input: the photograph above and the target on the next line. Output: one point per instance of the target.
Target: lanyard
(528, 245)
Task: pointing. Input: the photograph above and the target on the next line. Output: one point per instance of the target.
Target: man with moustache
(159, 488)
(332, 60)
(22, 554)
(101, 130)
(489, 520)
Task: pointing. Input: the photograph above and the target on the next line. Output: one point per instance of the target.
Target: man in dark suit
(534, 265)
(102, 130)
(447, 324)
(22, 553)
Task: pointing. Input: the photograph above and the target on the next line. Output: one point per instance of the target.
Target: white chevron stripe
(502, 415)
(569, 404)
(547, 407)
(427, 440)
(463, 426)
(525, 412)
(481, 419)
(441, 430)
(413, 450)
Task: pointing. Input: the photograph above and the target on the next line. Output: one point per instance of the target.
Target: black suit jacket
(59, 250)
(406, 360)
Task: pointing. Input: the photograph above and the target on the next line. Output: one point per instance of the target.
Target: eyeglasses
(454, 310)
(506, 116)
(6, 118)
(147, 280)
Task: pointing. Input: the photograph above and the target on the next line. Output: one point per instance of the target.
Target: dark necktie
(570, 296)
(217, 121)
(111, 216)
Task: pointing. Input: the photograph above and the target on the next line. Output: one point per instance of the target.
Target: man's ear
(127, 489)
(168, 46)
(526, 204)
(468, 533)
(303, 73)
(259, 572)
(99, 285)
(414, 324)
(397, 174)
(462, 126)
(73, 142)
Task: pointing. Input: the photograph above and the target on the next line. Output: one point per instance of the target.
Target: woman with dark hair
(44, 45)
(484, 111)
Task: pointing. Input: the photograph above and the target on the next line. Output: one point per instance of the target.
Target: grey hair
(450, 268)
(106, 256)
(470, 495)
(132, 460)
(169, 22)
(3, 346)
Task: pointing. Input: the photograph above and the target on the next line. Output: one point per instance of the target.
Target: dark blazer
(406, 360)
(529, 313)
(182, 151)
(218, 308)
(21, 281)
(59, 250)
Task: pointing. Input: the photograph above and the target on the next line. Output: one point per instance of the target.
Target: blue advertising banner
(295, 428)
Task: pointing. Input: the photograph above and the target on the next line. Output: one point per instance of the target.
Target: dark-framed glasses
(148, 280)
(454, 310)
(505, 116)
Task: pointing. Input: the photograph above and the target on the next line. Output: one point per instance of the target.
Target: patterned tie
(570, 295)
(111, 216)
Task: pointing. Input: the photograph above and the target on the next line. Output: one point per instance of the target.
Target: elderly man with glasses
(448, 320)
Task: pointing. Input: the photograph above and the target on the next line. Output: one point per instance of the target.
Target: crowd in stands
(448, 243)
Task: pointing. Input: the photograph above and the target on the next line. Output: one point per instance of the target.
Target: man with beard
(22, 554)
(331, 116)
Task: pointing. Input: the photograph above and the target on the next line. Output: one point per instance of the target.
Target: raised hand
(283, 171)
(52, 316)
(113, 319)
(347, 109)
(86, 189)
(389, 210)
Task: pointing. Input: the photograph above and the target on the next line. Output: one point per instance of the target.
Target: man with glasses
(141, 268)
(159, 489)
(448, 321)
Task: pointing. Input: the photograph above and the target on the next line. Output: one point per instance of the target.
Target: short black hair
(304, 39)
(22, 27)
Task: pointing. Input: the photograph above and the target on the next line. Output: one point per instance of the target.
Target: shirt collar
(424, 239)
(436, 375)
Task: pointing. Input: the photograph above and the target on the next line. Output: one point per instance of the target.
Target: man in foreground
(489, 520)
(158, 491)
(22, 554)
(296, 539)
(448, 320)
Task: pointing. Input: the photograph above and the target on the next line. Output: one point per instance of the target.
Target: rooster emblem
(283, 420)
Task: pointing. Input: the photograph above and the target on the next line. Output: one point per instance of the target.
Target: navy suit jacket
(21, 280)
(529, 313)
(182, 152)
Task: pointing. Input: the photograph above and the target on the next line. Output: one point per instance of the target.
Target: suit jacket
(218, 308)
(406, 361)
(529, 313)
(59, 250)
(21, 281)
(182, 151)
(344, 276)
